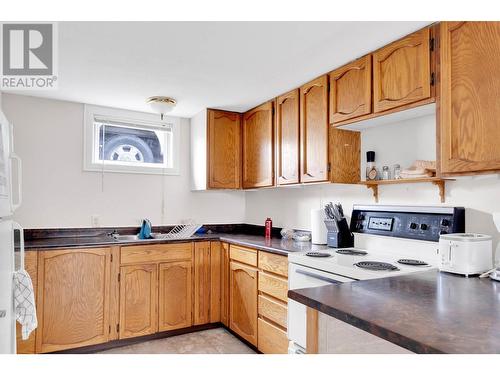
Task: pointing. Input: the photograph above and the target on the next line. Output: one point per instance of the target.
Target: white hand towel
(24, 303)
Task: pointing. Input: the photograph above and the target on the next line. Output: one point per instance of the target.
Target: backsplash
(290, 207)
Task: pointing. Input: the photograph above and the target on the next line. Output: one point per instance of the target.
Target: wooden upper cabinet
(287, 138)
(175, 295)
(351, 90)
(401, 72)
(73, 298)
(345, 155)
(258, 157)
(469, 94)
(243, 301)
(138, 300)
(224, 150)
(314, 130)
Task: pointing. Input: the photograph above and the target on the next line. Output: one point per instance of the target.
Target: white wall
(290, 207)
(58, 193)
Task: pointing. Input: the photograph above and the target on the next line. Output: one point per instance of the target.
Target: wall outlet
(95, 221)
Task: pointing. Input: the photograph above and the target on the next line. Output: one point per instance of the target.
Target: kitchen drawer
(272, 340)
(243, 255)
(273, 263)
(274, 286)
(273, 310)
(156, 253)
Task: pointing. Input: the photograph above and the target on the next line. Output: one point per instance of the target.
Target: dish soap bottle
(371, 169)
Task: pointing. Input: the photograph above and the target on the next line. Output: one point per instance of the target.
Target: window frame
(147, 120)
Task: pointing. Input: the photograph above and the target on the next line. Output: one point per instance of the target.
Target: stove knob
(445, 222)
(361, 217)
(424, 226)
(413, 225)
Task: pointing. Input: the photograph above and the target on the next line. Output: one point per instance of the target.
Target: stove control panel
(420, 223)
(380, 223)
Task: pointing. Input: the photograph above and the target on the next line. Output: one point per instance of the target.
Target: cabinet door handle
(283, 177)
(310, 175)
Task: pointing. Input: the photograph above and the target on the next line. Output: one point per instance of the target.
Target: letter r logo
(27, 49)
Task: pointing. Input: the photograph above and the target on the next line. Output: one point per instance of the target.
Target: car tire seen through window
(128, 148)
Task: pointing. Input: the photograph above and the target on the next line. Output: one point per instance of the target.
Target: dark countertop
(425, 312)
(275, 245)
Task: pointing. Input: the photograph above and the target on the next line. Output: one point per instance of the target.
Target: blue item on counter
(145, 232)
(202, 230)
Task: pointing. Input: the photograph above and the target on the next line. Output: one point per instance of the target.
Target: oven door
(300, 277)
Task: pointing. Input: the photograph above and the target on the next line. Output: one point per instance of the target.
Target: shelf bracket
(374, 191)
(440, 185)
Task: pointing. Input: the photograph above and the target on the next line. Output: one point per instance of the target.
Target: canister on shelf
(386, 173)
(397, 172)
(371, 169)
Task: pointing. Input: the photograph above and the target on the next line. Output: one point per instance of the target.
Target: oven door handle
(319, 277)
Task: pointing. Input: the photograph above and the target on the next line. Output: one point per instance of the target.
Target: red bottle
(269, 227)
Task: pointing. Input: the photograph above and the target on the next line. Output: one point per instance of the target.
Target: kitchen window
(130, 142)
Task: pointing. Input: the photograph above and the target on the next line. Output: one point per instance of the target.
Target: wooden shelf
(439, 182)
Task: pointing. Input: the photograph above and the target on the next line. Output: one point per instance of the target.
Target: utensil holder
(339, 234)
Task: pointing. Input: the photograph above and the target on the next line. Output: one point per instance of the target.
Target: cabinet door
(225, 284)
(224, 150)
(201, 282)
(73, 298)
(351, 90)
(138, 300)
(345, 154)
(401, 72)
(258, 159)
(215, 281)
(470, 91)
(314, 130)
(287, 138)
(30, 264)
(243, 301)
(175, 291)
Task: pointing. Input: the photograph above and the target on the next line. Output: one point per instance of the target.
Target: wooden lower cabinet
(225, 271)
(201, 282)
(91, 296)
(215, 281)
(272, 303)
(175, 295)
(73, 298)
(138, 300)
(31, 266)
(243, 301)
(272, 339)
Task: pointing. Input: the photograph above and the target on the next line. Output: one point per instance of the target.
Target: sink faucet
(113, 233)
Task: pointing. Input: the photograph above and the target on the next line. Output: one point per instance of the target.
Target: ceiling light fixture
(161, 104)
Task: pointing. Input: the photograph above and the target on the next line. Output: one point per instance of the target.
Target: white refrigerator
(9, 258)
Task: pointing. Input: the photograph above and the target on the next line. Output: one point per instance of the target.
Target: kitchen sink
(135, 237)
(125, 237)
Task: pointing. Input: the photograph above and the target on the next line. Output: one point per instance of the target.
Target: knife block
(339, 235)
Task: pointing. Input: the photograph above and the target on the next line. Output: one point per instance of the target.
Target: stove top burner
(316, 254)
(351, 252)
(412, 262)
(377, 266)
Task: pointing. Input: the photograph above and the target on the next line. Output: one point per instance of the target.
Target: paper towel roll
(318, 227)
